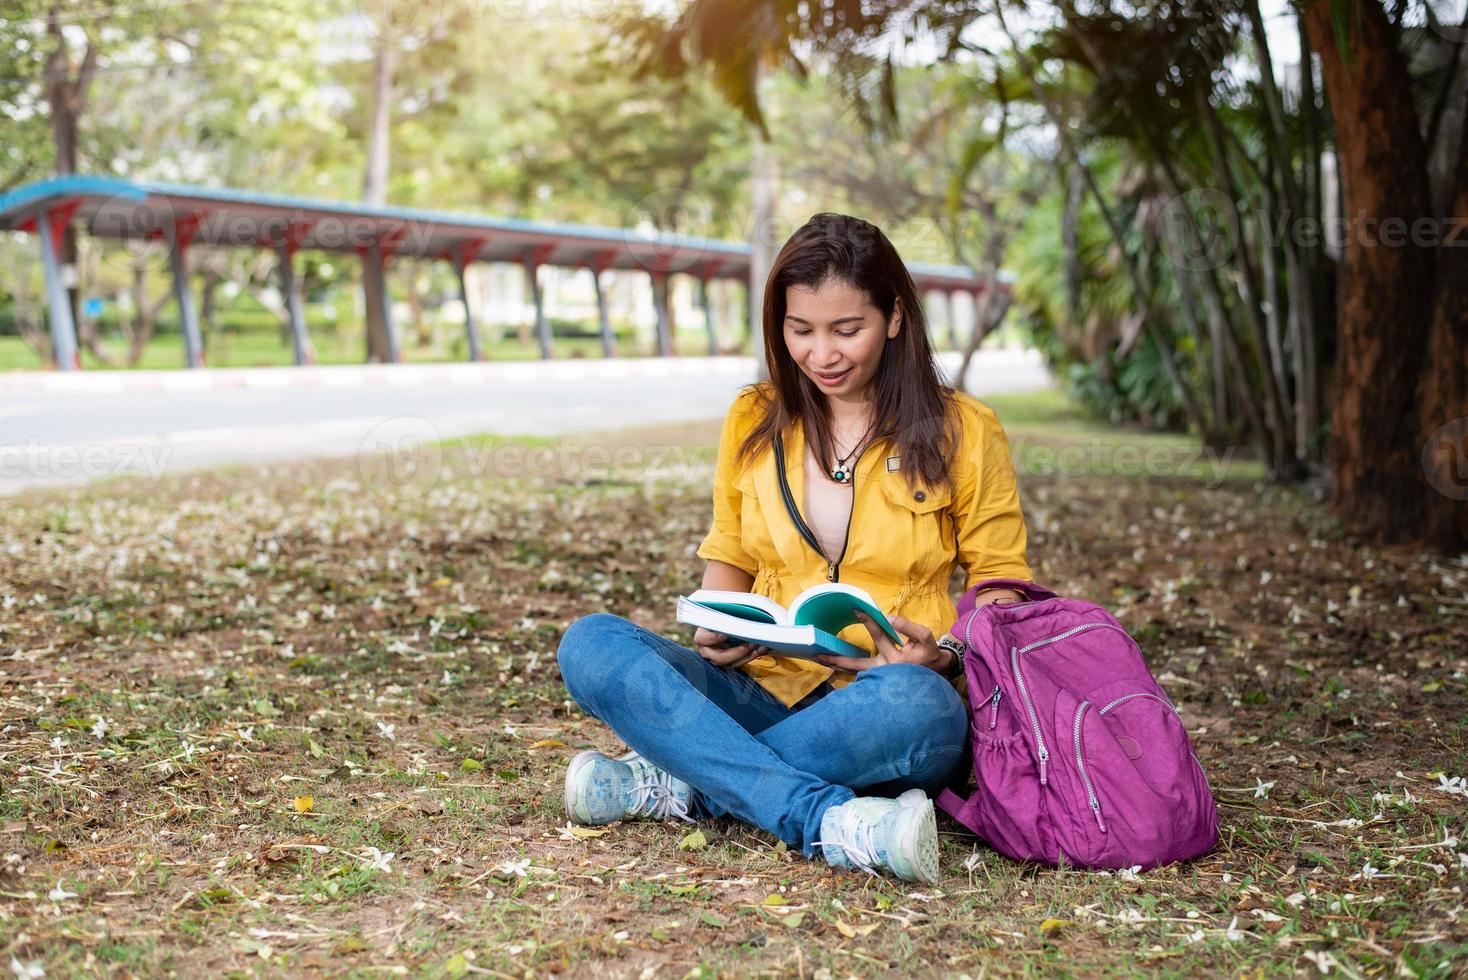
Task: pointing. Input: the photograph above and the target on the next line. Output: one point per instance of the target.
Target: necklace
(841, 472)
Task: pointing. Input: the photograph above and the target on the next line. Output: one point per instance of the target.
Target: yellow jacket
(903, 542)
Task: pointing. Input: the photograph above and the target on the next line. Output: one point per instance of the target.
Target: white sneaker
(870, 832)
(601, 790)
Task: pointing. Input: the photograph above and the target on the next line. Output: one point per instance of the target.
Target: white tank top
(827, 508)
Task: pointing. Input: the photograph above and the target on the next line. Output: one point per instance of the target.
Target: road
(67, 428)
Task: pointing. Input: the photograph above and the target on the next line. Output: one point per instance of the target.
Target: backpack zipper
(994, 707)
(1081, 765)
(1071, 632)
(1024, 694)
(1140, 694)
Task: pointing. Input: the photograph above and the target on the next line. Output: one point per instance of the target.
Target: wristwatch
(954, 646)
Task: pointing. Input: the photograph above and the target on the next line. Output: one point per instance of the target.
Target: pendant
(840, 475)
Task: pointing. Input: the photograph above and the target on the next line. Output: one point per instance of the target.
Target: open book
(807, 628)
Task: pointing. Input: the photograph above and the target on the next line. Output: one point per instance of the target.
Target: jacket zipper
(833, 570)
(1081, 765)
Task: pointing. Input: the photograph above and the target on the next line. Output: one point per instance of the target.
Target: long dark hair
(911, 403)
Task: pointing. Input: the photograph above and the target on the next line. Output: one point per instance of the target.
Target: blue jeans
(746, 754)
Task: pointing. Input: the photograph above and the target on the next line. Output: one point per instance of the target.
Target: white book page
(720, 597)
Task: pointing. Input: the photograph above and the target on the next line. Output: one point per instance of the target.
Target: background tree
(1184, 95)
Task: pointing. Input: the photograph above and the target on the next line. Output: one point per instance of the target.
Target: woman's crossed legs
(894, 727)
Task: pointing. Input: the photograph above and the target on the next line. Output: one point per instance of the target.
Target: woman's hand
(921, 648)
(706, 642)
(986, 596)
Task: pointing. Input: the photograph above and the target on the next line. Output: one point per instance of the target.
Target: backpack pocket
(1009, 798)
(1135, 768)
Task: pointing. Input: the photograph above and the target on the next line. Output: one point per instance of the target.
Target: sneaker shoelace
(656, 798)
(854, 837)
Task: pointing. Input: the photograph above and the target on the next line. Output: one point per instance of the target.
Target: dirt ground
(308, 720)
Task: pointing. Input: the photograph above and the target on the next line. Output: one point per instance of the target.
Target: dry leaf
(582, 833)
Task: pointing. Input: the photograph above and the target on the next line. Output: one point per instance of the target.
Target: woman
(897, 478)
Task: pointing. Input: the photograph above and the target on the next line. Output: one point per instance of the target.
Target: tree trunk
(1280, 457)
(1444, 414)
(141, 331)
(1140, 288)
(66, 97)
(1312, 258)
(1075, 189)
(1386, 289)
(1215, 436)
(986, 317)
(379, 142)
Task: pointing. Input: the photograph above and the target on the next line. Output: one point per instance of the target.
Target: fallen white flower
(1261, 788)
(59, 894)
(1323, 961)
(100, 728)
(1366, 873)
(515, 868)
(29, 970)
(378, 861)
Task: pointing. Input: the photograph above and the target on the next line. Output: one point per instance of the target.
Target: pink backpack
(1079, 756)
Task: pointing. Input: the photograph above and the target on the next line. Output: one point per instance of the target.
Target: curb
(372, 375)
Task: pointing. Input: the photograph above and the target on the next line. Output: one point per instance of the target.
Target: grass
(306, 719)
(264, 349)
(255, 347)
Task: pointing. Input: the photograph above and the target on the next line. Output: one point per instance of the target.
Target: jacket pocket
(919, 518)
(917, 500)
